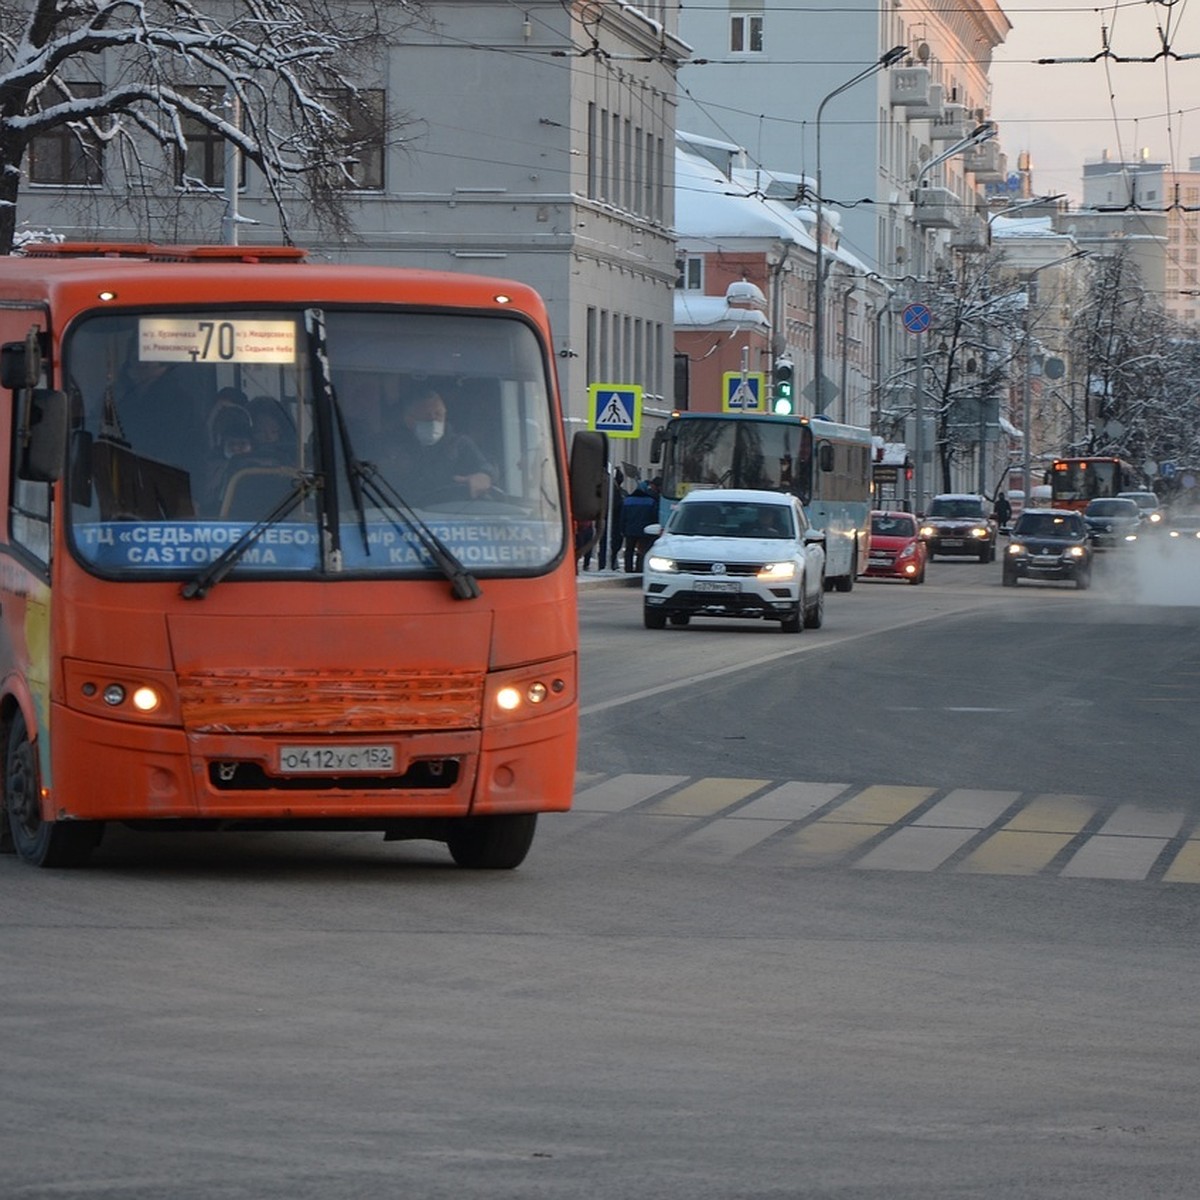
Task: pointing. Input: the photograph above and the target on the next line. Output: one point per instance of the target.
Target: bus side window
(825, 456)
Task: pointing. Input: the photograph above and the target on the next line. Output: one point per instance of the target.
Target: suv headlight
(1015, 548)
(927, 531)
(774, 572)
(1074, 552)
(979, 532)
(656, 562)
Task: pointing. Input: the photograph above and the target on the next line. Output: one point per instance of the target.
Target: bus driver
(428, 461)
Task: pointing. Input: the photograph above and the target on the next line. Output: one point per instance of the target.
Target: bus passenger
(274, 440)
(427, 461)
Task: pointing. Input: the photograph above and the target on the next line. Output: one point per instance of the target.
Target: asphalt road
(697, 986)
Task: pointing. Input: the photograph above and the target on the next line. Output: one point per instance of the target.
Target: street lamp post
(893, 56)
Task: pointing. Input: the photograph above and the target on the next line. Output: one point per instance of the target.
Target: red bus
(286, 545)
(1075, 481)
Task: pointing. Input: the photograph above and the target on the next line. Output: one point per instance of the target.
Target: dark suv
(959, 524)
(1049, 543)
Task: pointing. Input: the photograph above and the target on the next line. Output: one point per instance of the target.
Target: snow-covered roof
(693, 310)
(745, 204)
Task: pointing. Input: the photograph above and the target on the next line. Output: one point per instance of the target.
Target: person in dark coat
(639, 510)
(614, 536)
(1002, 510)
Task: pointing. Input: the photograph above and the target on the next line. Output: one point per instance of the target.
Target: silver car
(736, 553)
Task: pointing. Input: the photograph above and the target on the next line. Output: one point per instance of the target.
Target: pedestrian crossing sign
(744, 393)
(615, 409)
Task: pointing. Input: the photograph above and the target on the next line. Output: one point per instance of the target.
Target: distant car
(1184, 524)
(1049, 543)
(1112, 521)
(1153, 514)
(959, 523)
(734, 552)
(896, 548)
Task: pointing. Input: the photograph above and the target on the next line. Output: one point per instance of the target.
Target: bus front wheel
(39, 842)
(492, 843)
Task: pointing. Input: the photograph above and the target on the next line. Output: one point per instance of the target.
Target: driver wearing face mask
(431, 461)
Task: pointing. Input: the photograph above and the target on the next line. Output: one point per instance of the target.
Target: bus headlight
(530, 691)
(142, 696)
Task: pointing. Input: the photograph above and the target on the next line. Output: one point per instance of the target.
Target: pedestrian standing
(639, 510)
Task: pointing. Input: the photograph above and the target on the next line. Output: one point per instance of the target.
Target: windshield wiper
(463, 584)
(365, 481)
(199, 587)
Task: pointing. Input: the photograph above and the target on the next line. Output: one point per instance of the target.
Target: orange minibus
(286, 545)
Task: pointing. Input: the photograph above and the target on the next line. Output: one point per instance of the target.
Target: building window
(71, 153)
(364, 111)
(204, 160)
(746, 33)
(689, 273)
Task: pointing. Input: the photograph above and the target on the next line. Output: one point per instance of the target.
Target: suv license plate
(336, 760)
(718, 585)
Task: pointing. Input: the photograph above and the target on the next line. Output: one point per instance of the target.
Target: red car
(897, 550)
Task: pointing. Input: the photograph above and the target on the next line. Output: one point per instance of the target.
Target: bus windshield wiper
(198, 588)
(365, 481)
(463, 584)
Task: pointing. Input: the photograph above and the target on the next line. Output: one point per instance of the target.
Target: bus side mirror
(589, 472)
(43, 435)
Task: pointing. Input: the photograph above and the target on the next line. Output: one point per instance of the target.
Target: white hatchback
(730, 552)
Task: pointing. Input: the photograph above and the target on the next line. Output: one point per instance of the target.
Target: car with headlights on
(959, 523)
(896, 549)
(1112, 521)
(735, 552)
(1154, 516)
(1049, 544)
(1184, 524)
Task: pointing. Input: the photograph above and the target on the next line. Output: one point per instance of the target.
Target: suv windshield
(951, 506)
(732, 519)
(191, 427)
(1049, 525)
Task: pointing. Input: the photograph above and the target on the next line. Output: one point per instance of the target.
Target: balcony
(927, 112)
(971, 237)
(951, 126)
(986, 163)
(910, 86)
(936, 208)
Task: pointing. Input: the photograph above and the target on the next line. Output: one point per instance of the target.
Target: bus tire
(39, 842)
(497, 843)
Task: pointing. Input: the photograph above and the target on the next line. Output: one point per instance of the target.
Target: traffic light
(782, 398)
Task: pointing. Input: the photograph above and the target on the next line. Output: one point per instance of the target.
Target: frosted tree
(142, 78)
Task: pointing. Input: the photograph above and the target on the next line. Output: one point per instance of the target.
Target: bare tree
(279, 81)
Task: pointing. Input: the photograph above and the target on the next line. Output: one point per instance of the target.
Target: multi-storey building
(534, 142)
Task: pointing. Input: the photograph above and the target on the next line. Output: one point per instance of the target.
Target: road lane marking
(1013, 853)
(1103, 857)
(624, 791)
(706, 797)
(1186, 866)
(825, 840)
(1053, 814)
(719, 840)
(915, 849)
(1133, 820)
(879, 805)
(792, 801)
(968, 808)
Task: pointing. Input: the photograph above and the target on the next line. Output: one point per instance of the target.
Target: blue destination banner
(172, 545)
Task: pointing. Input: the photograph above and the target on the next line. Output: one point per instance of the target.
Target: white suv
(730, 552)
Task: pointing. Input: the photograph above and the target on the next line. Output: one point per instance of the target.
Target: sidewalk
(596, 578)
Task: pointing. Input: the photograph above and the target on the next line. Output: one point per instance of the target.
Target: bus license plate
(336, 760)
(718, 585)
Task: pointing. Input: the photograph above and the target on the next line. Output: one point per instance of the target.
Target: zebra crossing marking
(897, 827)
